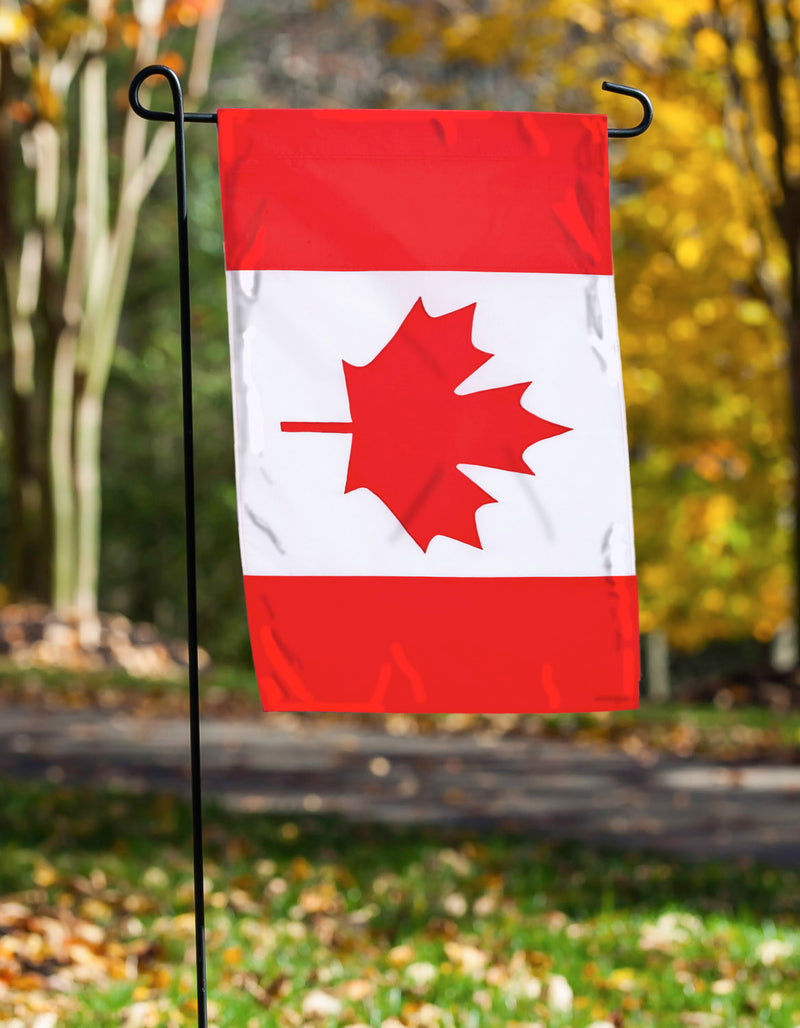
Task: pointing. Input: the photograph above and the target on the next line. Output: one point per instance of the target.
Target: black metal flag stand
(179, 117)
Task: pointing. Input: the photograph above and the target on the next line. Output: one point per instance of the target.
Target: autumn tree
(706, 214)
(75, 167)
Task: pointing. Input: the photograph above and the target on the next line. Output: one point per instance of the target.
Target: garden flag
(431, 457)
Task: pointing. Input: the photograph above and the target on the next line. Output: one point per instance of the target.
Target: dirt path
(689, 808)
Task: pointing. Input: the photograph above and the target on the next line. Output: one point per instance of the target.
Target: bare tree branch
(772, 80)
(741, 129)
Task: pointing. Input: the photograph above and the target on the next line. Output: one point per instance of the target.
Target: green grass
(225, 690)
(428, 927)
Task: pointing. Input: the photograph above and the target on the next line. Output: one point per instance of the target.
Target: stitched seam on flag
(371, 156)
(341, 267)
(471, 575)
(608, 276)
(477, 268)
(351, 575)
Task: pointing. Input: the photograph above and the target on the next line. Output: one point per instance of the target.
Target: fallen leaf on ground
(318, 1003)
(559, 994)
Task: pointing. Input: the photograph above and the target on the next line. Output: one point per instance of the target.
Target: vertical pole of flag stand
(178, 116)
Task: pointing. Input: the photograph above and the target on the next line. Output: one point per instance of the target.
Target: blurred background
(706, 231)
(706, 225)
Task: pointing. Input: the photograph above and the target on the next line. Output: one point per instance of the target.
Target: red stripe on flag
(415, 190)
(484, 645)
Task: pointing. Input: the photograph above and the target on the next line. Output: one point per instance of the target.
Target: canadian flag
(431, 456)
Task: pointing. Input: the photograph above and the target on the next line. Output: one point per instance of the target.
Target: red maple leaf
(411, 430)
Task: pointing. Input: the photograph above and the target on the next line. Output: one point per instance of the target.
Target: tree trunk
(89, 412)
(793, 335)
(93, 348)
(659, 686)
(29, 521)
(28, 565)
(27, 562)
(62, 483)
(89, 416)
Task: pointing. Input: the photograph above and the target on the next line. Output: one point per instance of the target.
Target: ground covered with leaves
(318, 923)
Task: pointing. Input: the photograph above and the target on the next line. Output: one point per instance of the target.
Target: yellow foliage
(792, 158)
(745, 60)
(711, 48)
(720, 511)
(706, 312)
(406, 41)
(713, 600)
(14, 26)
(47, 102)
(587, 16)
(753, 312)
(689, 252)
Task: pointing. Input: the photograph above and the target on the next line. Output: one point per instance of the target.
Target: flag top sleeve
(432, 473)
(403, 190)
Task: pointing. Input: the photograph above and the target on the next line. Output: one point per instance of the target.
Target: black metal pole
(188, 470)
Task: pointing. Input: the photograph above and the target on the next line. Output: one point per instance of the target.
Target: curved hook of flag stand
(647, 111)
(179, 116)
(175, 86)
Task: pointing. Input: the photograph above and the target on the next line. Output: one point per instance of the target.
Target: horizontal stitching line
(398, 157)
